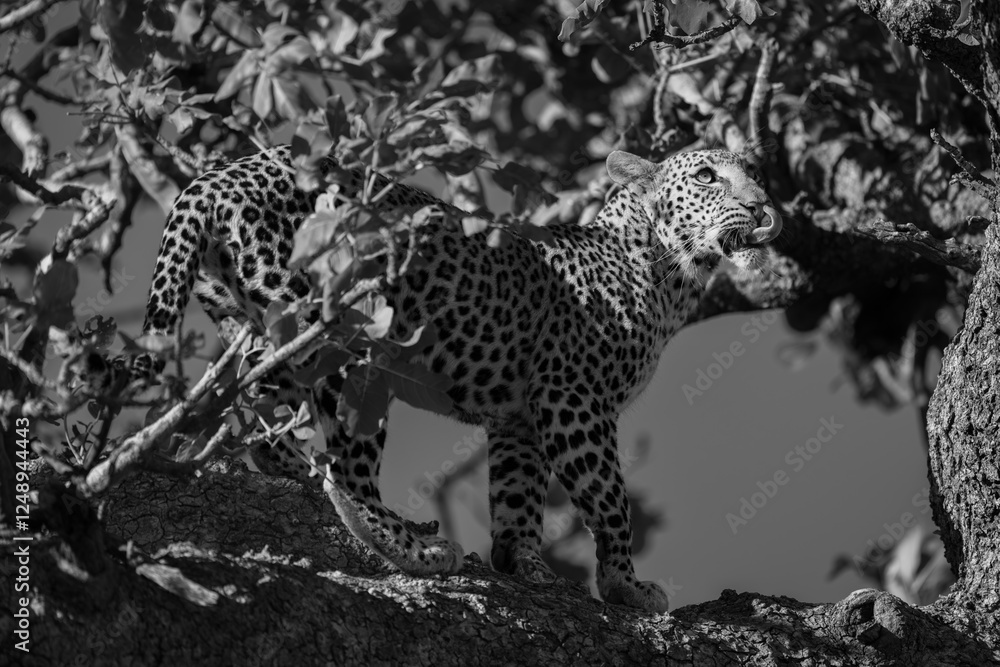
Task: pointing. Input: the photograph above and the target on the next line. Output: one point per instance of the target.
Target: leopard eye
(705, 176)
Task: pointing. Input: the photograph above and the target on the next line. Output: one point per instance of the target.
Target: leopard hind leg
(351, 483)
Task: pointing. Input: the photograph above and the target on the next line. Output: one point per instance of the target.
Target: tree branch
(297, 589)
(660, 35)
(929, 26)
(33, 144)
(125, 459)
(30, 185)
(44, 93)
(761, 141)
(973, 178)
(906, 235)
(24, 13)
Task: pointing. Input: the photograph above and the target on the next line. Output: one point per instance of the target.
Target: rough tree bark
(237, 568)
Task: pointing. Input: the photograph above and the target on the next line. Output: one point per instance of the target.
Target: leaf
(328, 362)
(609, 67)
(421, 388)
(342, 31)
(498, 238)
(336, 117)
(230, 20)
(536, 233)
(310, 147)
(62, 344)
(486, 70)
(748, 10)
(281, 412)
(247, 66)
(317, 234)
(512, 174)
(154, 343)
(295, 52)
(121, 20)
(456, 159)
(418, 131)
(277, 35)
(54, 289)
(472, 226)
(291, 100)
(263, 101)
(303, 432)
(691, 16)
(281, 328)
(189, 21)
(364, 401)
(419, 341)
(380, 323)
(906, 555)
(100, 331)
(582, 16)
(429, 75)
(464, 88)
(376, 48)
(377, 114)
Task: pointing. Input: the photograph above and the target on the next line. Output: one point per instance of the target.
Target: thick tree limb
(229, 586)
(929, 26)
(963, 427)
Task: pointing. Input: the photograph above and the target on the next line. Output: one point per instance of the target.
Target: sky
(814, 473)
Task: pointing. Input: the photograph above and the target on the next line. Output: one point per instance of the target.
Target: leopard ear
(631, 171)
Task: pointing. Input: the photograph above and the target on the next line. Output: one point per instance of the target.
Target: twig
(127, 457)
(973, 178)
(81, 168)
(184, 468)
(659, 32)
(282, 354)
(906, 235)
(78, 229)
(28, 370)
(23, 13)
(128, 196)
(45, 93)
(33, 144)
(761, 140)
(612, 44)
(30, 185)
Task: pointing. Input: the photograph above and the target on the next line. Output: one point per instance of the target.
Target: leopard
(546, 340)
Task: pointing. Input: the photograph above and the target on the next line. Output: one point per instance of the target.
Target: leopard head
(706, 206)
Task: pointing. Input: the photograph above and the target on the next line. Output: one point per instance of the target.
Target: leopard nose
(756, 208)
